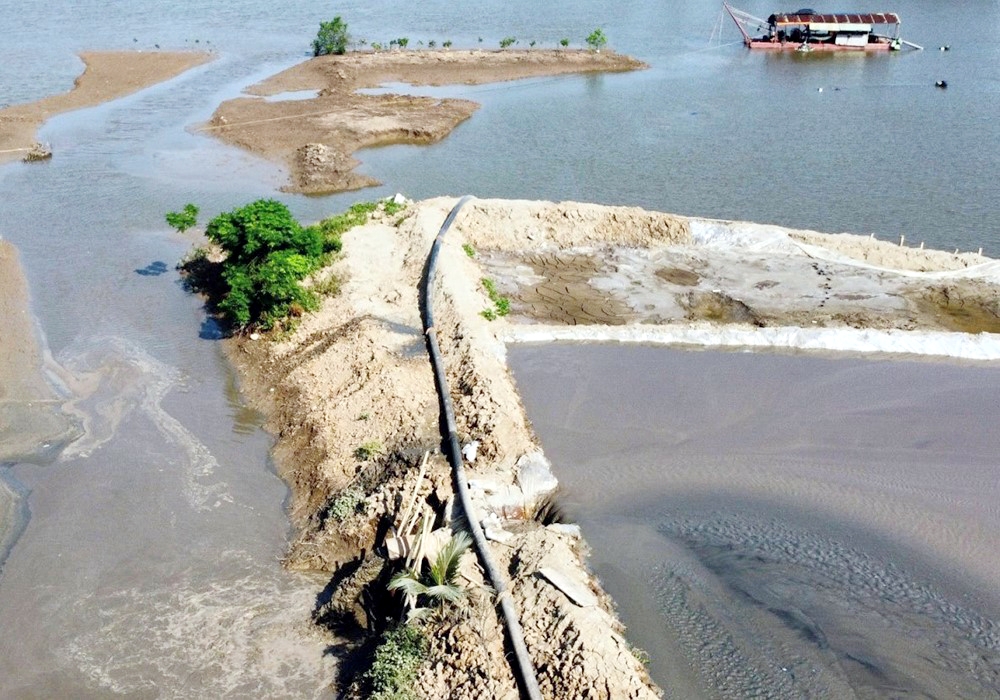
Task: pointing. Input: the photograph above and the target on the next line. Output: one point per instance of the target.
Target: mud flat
(355, 375)
(315, 137)
(107, 75)
(783, 525)
(30, 413)
(32, 423)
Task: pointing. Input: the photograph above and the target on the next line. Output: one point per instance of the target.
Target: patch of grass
(395, 663)
(328, 286)
(469, 250)
(333, 227)
(345, 504)
(391, 207)
(501, 304)
(640, 654)
(369, 450)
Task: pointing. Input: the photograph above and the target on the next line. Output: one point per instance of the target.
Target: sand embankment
(107, 75)
(315, 138)
(356, 374)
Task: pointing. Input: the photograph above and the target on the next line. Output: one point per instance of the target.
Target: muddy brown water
(784, 525)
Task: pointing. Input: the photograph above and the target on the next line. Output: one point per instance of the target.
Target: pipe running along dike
(523, 667)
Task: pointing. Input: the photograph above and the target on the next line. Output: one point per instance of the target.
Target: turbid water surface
(784, 526)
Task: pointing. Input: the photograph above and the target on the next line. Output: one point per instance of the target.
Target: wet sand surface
(784, 526)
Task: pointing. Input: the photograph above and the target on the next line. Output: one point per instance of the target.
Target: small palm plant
(430, 592)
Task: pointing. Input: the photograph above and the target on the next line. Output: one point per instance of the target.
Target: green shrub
(369, 450)
(469, 250)
(507, 41)
(564, 43)
(501, 304)
(395, 664)
(346, 504)
(596, 40)
(184, 219)
(447, 44)
(331, 38)
(267, 254)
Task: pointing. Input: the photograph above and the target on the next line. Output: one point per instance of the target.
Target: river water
(148, 562)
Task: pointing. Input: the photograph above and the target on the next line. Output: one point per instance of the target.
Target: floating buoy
(941, 84)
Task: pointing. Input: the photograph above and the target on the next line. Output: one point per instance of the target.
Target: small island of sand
(107, 75)
(315, 137)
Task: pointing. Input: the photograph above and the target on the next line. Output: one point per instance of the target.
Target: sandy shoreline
(356, 372)
(315, 138)
(30, 411)
(107, 75)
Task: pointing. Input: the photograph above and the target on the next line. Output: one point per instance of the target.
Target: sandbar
(316, 137)
(107, 75)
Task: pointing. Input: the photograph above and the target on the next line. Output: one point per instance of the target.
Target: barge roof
(835, 18)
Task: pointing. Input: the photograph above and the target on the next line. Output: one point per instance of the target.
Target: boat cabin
(845, 30)
(808, 30)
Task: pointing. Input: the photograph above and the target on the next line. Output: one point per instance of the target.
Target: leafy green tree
(507, 41)
(268, 254)
(597, 40)
(331, 38)
(564, 43)
(184, 219)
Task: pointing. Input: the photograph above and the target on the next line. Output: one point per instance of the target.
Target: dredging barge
(808, 30)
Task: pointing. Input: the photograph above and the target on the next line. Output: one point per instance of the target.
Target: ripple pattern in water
(797, 614)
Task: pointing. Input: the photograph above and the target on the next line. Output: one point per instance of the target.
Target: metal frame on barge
(808, 30)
